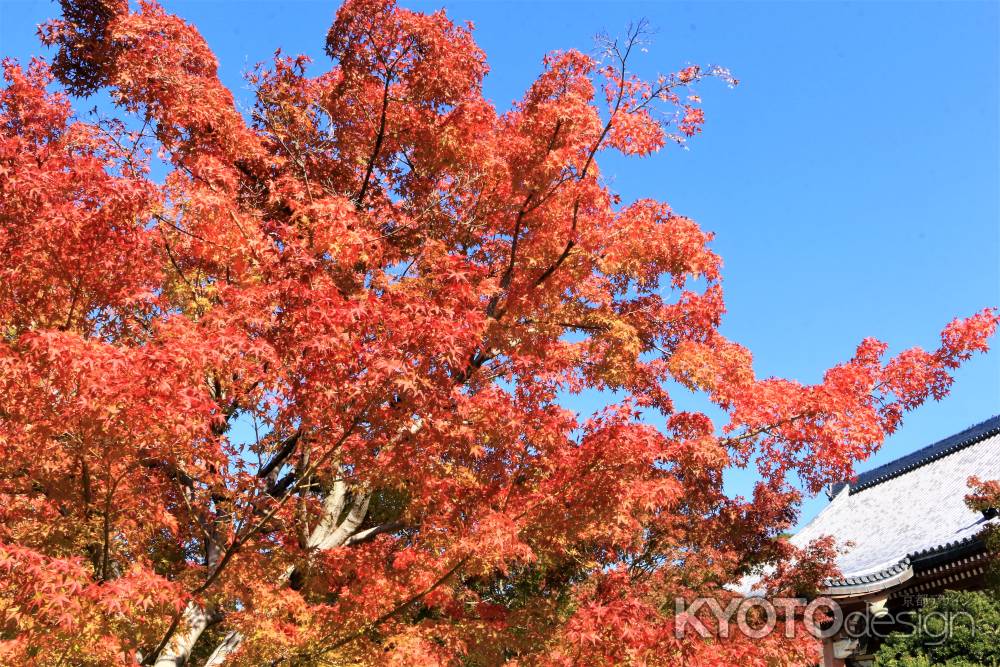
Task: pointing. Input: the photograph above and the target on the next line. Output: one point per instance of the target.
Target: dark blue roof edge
(910, 559)
(929, 454)
(890, 571)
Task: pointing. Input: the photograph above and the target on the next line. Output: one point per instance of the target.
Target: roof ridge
(928, 454)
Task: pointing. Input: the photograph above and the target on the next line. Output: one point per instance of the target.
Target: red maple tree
(390, 285)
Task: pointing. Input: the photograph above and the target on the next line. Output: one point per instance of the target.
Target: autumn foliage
(292, 387)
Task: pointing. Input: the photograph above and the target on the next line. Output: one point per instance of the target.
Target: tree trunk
(178, 649)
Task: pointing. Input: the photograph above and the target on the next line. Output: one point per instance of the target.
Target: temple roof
(909, 510)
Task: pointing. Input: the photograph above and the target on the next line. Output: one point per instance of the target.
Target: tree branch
(379, 138)
(287, 448)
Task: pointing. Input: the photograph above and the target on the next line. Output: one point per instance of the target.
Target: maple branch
(749, 435)
(177, 268)
(402, 606)
(170, 470)
(373, 532)
(326, 536)
(229, 643)
(106, 530)
(633, 39)
(198, 620)
(282, 485)
(72, 305)
(476, 362)
(580, 326)
(295, 155)
(240, 540)
(171, 628)
(562, 256)
(88, 495)
(508, 275)
(176, 227)
(287, 448)
(379, 138)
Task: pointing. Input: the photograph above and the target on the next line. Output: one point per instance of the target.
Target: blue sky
(852, 179)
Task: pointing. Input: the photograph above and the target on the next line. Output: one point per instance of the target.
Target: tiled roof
(928, 454)
(909, 510)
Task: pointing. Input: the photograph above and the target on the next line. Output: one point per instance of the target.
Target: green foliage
(957, 629)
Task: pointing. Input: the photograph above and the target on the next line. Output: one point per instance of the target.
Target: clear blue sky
(852, 179)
